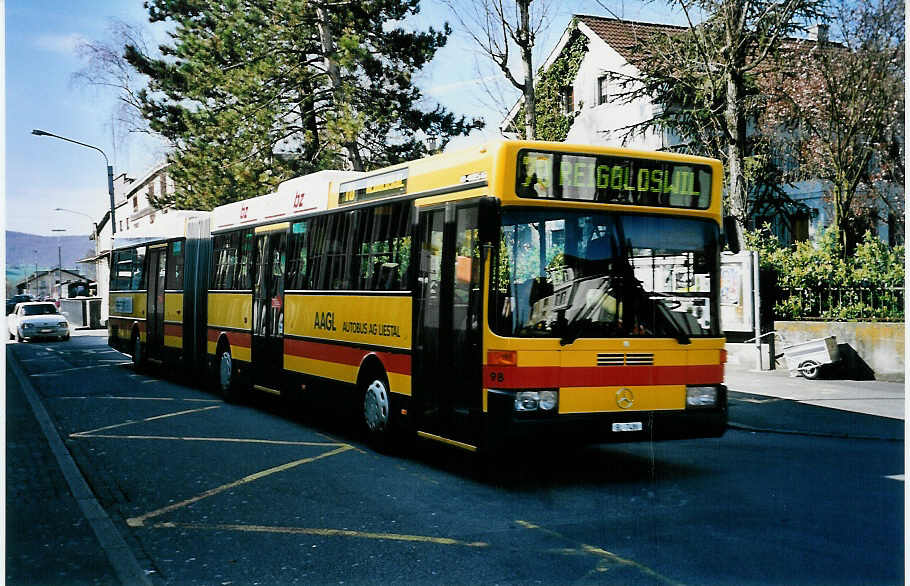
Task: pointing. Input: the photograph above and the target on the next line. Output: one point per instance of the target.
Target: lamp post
(59, 264)
(110, 170)
(35, 280)
(94, 223)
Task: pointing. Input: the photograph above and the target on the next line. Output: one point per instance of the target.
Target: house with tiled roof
(591, 99)
(599, 117)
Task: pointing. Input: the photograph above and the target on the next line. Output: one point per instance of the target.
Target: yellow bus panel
(356, 319)
(230, 310)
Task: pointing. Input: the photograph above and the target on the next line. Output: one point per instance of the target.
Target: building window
(567, 97)
(162, 186)
(135, 203)
(801, 227)
(603, 87)
(152, 218)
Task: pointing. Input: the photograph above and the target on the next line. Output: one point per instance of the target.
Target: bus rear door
(267, 352)
(157, 261)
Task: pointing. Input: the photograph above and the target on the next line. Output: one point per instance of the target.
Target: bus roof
(167, 226)
(487, 169)
(294, 197)
(492, 168)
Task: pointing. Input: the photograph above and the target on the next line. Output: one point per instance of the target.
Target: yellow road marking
(109, 398)
(323, 533)
(606, 557)
(56, 372)
(84, 433)
(139, 521)
(208, 439)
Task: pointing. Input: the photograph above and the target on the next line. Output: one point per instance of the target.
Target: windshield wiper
(574, 333)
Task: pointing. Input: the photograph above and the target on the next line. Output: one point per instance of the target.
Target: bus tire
(138, 354)
(226, 374)
(377, 407)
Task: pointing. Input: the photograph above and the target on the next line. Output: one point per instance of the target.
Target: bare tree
(496, 26)
(840, 110)
(107, 68)
(718, 58)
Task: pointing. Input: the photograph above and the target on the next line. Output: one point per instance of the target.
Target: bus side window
(297, 257)
(138, 281)
(174, 279)
(245, 260)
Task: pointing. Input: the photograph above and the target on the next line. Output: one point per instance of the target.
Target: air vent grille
(639, 359)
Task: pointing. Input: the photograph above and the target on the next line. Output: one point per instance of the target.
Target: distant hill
(24, 250)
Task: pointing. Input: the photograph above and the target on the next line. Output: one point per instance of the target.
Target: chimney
(819, 33)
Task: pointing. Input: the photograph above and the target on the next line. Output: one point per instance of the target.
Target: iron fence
(840, 303)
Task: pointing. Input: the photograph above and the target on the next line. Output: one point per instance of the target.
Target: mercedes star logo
(624, 398)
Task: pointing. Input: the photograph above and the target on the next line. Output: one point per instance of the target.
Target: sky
(41, 58)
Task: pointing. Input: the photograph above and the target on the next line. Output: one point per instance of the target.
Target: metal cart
(807, 358)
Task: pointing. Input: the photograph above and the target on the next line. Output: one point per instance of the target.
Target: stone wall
(869, 350)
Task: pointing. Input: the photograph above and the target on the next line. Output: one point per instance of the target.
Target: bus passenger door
(447, 353)
(267, 352)
(154, 315)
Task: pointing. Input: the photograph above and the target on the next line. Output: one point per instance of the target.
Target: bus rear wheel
(226, 374)
(138, 356)
(376, 408)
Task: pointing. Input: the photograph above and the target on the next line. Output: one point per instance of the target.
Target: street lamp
(94, 224)
(110, 170)
(59, 264)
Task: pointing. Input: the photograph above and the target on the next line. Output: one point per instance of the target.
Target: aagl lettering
(325, 320)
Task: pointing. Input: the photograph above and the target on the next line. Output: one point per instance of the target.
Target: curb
(122, 559)
(744, 427)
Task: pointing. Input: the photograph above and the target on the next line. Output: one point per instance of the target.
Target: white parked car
(37, 319)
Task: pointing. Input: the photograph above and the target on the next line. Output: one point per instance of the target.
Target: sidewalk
(48, 538)
(56, 531)
(883, 399)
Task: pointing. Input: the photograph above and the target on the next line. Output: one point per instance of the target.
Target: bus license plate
(627, 426)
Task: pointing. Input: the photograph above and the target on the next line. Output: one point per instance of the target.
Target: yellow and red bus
(158, 285)
(513, 289)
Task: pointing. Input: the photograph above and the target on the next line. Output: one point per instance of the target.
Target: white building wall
(600, 124)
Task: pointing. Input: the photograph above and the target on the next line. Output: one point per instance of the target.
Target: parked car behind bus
(37, 319)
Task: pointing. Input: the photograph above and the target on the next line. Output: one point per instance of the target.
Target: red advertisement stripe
(516, 377)
(173, 330)
(396, 363)
(239, 339)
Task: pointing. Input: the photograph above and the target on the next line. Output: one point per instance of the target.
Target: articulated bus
(157, 295)
(512, 290)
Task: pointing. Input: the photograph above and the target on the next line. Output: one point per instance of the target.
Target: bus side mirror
(488, 220)
(731, 234)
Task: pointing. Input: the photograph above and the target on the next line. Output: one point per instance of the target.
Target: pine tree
(252, 92)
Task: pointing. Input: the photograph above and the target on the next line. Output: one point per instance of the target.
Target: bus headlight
(701, 396)
(535, 401)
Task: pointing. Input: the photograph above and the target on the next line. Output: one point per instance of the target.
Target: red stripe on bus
(516, 377)
(173, 330)
(239, 339)
(393, 362)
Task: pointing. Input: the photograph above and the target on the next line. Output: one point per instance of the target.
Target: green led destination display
(611, 179)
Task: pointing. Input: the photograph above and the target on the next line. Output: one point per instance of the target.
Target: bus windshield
(577, 275)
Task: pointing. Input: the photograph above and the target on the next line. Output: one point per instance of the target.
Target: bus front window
(580, 275)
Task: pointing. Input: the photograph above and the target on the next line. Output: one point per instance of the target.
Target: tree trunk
(526, 44)
(327, 41)
(736, 128)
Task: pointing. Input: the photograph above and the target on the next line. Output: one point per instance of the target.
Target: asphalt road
(205, 492)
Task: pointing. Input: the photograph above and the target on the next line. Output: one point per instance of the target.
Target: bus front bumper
(507, 425)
